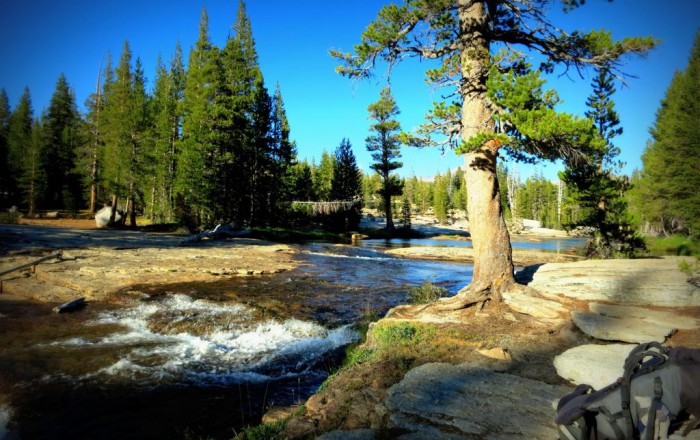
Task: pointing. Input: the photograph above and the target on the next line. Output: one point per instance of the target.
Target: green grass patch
(426, 293)
(689, 268)
(266, 431)
(674, 245)
(401, 334)
(357, 356)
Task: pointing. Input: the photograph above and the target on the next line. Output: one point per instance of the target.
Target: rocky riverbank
(458, 375)
(96, 264)
(417, 375)
(521, 257)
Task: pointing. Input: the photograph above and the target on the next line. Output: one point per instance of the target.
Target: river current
(179, 362)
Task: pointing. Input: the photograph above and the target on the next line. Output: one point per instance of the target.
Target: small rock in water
(70, 306)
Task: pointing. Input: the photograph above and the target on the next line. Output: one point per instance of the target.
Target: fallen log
(220, 232)
(33, 264)
(71, 306)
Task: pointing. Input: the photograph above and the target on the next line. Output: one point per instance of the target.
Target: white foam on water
(236, 350)
(5, 416)
(352, 257)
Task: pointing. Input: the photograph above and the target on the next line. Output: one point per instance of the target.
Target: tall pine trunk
(93, 181)
(387, 206)
(493, 262)
(113, 213)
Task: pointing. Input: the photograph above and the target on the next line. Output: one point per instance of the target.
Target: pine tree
(194, 176)
(405, 214)
(459, 197)
(5, 177)
(166, 108)
(502, 176)
(62, 131)
(262, 165)
(594, 186)
(284, 152)
(126, 125)
(90, 154)
(441, 197)
(19, 141)
(385, 146)
(497, 103)
(371, 187)
(323, 176)
(669, 180)
(116, 128)
(346, 186)
(241, 130)
(33, 181)
(139, 163)
(302, 182)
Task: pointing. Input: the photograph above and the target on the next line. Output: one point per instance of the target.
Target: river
(201, 361)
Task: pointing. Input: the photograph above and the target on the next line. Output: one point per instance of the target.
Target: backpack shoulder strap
(635, 364)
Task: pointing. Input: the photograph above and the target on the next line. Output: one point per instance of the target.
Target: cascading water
(197, 359)
(178, 339)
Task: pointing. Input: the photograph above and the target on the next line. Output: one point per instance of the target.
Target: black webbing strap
(634, 364)
(655, 404)
(612, 419)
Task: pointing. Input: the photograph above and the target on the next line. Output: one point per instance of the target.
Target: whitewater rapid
(185, 340)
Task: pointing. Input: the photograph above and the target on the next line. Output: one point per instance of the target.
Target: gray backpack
(659, 385)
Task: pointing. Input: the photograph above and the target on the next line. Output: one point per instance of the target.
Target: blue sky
(39, 39)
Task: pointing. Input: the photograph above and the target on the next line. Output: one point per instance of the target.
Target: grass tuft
(266, 431)
(426, 293)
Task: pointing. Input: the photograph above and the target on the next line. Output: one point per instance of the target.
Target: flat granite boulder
(630, 324)
(670, 319)
(444, 401)
(595, 365)
(537, 307)
(640, 282)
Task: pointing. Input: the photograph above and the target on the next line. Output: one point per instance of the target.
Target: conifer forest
(208, 142)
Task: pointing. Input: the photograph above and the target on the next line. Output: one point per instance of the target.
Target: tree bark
(113, 213)
(493, 261)
(387, 207)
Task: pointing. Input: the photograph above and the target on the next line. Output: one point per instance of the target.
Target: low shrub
(426, 293)
(674, 245)
(266, 431)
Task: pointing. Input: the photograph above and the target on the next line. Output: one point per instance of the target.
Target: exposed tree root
(474, 296)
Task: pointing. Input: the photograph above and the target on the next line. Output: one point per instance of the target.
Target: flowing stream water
(200, 360)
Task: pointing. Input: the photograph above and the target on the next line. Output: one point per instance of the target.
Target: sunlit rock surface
(443, 400)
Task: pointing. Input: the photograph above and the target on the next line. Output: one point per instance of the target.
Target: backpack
(658, 384)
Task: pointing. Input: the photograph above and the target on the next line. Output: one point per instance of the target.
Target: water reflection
(549, 244)
(364, 266)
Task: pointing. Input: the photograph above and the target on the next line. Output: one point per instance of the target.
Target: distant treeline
(209, 144)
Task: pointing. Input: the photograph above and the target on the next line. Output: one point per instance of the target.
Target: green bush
(9, 218)
(426, 293)
(266, 431)
(674, 245)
